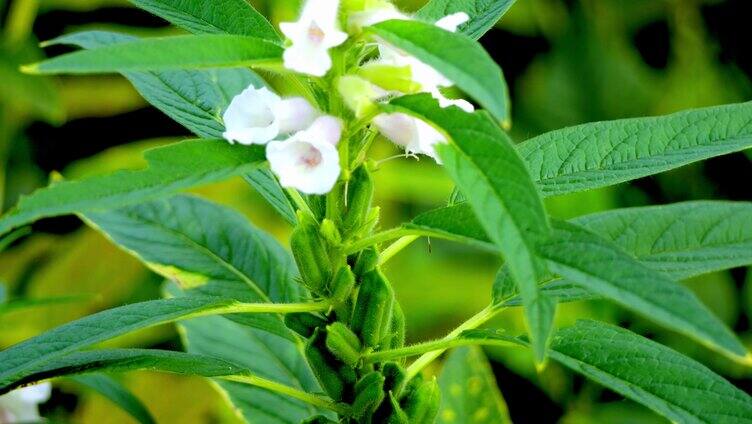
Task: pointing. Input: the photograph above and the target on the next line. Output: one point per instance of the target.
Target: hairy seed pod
(311, 255)
(421, 404)
(304, 323)
(395, 378)
(342, 285)
(367, 261)
(396, 414)
(369, 393)
(330, 233)
(396, 336)
(373, 309)
(349, 204)
(343, 343)
(325, 366)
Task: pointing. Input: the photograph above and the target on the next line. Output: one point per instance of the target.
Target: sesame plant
(316, 335)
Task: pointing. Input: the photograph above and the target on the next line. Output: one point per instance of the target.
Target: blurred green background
(567, 62)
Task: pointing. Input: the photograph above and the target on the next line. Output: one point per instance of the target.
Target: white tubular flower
(429, 79)
(312, 36)
(22, 405)
(381, 13)
(257, 116)
(413, 134)
(453, 21)
(308, 161)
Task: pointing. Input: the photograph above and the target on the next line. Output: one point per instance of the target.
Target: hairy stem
(476, 321)
(379, 238)
(432, 346)
(21, 17)
(288, 391)
(395, 248)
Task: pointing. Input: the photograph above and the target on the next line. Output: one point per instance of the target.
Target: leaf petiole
(309, 398)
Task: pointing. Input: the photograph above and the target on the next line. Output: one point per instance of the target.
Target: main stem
(476, 321)
(289, 391)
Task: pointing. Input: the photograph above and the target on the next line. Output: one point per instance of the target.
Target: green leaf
(483, 13)
(606, 153)
(215, 17)
(456, 222)
(170, 169)
(24, 358)
(469, 392)
(263, 354)
(117, 394)
(194, 98)
(681, 240)
(125, 360)
(598, 265)
(155, 54)
(266, 185)
(669, 383)
(195, 242)
(12, 305)
(459, 58)
(484, 165)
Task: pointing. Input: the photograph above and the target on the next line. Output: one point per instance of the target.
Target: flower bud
(359, 95)
(369, 393)
(373, 309)
(304, 323)
(343, 343)
(390, 77)
(421, 404)
(311, 255)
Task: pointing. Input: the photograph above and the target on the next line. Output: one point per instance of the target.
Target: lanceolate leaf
(483, 163)
(118, 394)
(155, 54)
(26, 357)
(263, 354)
(170, 169)
(194, 241)
(215, 17)
(469, 393)
(669, 383)
(456, 222)
(681, 240)
(196, 99)
(459, 58)
(601, 267)
(606, 153)
(483, 13)
(124, 360)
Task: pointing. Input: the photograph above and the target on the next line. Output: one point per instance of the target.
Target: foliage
(318, 334)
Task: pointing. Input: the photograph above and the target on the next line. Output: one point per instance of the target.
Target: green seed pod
(367, 261)
(348, 205)
(395, 378)
(325, 366)
(311, 255)
(304, 323)
(342, 285)
(343, 343)
(369, 393)
(421, 405)
(396, 336)
(396, 414)
(330, 233)
(318, 419)
(373, 309)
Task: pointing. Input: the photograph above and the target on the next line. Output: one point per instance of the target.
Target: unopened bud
(359, 95)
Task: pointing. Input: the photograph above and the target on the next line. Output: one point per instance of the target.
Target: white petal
(294, 114)
(446, 102)
(308, 166)
(249, 119)
(326, 129)
(307, 60)
(453, 21)
(401, 129)
(429, 137)
(358, 20)
(36, 394)
(21, 405)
